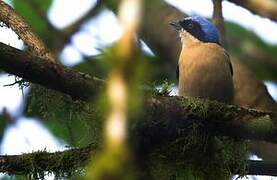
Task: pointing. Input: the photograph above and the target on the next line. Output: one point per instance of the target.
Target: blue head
(198, 27)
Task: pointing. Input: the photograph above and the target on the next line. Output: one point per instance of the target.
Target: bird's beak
(176, 25)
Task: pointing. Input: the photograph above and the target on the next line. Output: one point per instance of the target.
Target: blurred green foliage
(253, 51)
(76, 123)
(198, 155)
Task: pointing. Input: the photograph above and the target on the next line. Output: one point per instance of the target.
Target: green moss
(263, 124)
(69, 164)
(198, 155)
(196, 105)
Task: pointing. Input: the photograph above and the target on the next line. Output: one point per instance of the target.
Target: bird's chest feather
(204, 72)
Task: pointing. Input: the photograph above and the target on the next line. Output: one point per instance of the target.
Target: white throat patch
(187, 39)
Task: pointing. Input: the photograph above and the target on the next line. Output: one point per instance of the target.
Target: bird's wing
(229, 62)
(177, 72)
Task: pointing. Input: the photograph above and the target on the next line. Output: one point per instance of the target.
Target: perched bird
(204, 68)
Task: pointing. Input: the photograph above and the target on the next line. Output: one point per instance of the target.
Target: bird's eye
(190, 25)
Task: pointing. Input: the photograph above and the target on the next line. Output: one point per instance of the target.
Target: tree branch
(42, 161)
(262, 168)
(266, 8)
(24, 31)
(218, 20)
(172, 114)
(47, 73)
(71, 160)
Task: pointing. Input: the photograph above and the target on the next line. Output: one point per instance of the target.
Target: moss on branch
(37, 164)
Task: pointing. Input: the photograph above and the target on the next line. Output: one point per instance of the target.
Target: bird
(204, 68)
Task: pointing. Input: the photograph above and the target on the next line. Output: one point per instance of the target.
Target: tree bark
(266, 8)
(37, 163)
(47, 73)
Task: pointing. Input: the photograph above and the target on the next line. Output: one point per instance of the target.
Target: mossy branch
(66, 162)
(38, 163)
(169, 115)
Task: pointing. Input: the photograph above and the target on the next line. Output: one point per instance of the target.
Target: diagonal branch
(266, 8)
(24, 31)
(47, 73)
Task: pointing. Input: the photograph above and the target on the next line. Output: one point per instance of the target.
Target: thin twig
(14, 83)
(218, 19)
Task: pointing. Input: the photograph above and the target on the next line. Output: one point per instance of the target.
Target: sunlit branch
(24, 31)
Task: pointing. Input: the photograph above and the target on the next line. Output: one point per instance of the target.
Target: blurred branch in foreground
(115, 161)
